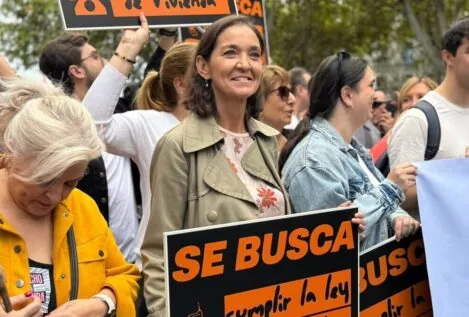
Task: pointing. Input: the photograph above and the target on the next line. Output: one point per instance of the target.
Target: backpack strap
(434, 128)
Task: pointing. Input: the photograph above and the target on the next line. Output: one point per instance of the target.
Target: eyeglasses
(93, 55)
(283, 92)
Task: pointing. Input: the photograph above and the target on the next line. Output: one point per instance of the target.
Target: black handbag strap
(72, 248)
(434, 128)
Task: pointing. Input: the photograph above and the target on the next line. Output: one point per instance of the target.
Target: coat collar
(325, 128)
(200, 133)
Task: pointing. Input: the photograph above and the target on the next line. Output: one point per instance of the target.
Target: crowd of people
(93, 173)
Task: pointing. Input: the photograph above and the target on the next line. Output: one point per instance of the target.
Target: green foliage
(302, 32)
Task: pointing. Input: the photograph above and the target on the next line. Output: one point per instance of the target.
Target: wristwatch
(111, 311)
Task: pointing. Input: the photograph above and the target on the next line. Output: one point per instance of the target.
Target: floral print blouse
(269, 199)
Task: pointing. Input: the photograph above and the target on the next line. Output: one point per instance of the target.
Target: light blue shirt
(323, 172)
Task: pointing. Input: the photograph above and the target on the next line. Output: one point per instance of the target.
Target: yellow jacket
(100, 263)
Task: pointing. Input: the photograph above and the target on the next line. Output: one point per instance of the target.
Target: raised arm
(101, 99)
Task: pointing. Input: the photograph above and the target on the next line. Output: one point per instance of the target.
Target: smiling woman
(220, 162)
(58, 246)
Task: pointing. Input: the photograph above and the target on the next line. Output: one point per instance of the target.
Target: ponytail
(150, 95)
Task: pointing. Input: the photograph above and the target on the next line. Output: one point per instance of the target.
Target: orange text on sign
(270, 249)
(153, 8)
(250, 7)
(313, 295)
(394, 264)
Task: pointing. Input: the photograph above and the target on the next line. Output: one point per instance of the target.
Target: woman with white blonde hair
(54, 243)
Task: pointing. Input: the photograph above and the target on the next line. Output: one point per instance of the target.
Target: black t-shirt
(42, 285)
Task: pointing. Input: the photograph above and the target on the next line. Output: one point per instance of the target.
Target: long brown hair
(157, 91)
(200, 99)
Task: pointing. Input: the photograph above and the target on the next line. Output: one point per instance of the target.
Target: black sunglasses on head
(341, 56)
(283, 92)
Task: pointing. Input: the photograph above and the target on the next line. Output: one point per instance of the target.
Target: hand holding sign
(131, 43)
(403, 176)
(404, 226)
(358, 219)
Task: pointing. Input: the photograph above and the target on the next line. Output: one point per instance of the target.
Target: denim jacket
(323, 172)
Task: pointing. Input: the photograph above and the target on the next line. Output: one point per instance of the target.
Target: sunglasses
(377, 104)
(283, 92)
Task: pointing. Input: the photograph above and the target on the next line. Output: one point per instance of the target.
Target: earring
(206, 83)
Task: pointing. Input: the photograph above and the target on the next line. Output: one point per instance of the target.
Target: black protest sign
(108, 14)
(298, 265)
(255, 9)
(394, 281)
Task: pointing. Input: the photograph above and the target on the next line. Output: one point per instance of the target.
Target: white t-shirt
(121, 200)
(409, 136)
(133, 134)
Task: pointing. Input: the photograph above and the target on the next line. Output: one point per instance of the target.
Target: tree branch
(457, 8)
(421, 35)
(440, 13)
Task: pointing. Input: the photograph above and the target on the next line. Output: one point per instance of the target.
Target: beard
(90, 77)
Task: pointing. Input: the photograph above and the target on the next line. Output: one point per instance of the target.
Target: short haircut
(271, 75)
(58, 55)
(45, 129)
(454, 36)
(297, 77)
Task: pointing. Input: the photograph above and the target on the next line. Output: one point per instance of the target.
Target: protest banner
(255, 9)
(298, 265)
(111, 14)
(394, 280)
(442, 188)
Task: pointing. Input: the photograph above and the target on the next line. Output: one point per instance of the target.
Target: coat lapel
(257, 163)
(220, 176)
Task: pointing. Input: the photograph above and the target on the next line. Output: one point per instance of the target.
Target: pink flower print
(267, 196)
(237, 145)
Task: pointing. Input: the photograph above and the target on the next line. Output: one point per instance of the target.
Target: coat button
(101, 253)
(19, 283)
(212, 216)
(62, 276)
(17, 248)
(103, 200)
(101, 174)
